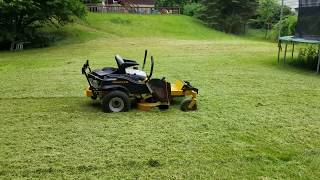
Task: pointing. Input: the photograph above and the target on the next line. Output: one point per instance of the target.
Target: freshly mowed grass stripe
(256, 119)
(60, 138)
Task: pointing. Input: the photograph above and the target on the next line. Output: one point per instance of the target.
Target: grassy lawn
(256, 120)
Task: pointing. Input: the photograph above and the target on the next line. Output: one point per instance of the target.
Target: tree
(19, 19)
(171, 3)
(268, 13)
(228, 15)
(192, 9)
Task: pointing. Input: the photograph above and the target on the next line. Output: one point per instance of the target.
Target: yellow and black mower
(115, 87)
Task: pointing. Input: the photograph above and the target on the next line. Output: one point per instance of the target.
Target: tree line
(233, 16)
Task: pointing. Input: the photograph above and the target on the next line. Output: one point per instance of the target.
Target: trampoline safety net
(308, 26)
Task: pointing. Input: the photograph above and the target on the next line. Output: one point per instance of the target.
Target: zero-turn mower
(115, 87)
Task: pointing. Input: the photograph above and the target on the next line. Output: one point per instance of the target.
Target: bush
(193, 9)
(307, 58)
(91, 1)
(288, 27)
(268, 14)
(19, 20)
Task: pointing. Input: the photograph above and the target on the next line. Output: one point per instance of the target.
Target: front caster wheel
(116, 101)
(94, 96)
(185, 106)
(163, 107)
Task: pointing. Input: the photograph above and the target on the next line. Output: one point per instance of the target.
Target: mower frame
(144, 91)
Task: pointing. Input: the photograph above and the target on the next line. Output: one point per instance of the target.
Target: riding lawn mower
(118, 87)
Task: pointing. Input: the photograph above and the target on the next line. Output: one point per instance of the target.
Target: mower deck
(176, 91)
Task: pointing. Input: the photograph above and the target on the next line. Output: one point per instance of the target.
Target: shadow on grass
(308, 65)
(307, 59)
(95, 105)
(292, 65)
(296, 65)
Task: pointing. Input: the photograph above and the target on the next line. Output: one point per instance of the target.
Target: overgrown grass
(256, 119)
(256, 34)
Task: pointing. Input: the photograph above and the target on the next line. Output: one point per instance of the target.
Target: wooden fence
(136, 10)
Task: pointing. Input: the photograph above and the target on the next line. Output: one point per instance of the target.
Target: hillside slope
(132, 25)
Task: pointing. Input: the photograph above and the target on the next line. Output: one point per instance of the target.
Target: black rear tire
(185, 106)
(116, 101)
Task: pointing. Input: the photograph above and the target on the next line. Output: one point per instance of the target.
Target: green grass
(255, 34)
(174, 26)
(256, 120)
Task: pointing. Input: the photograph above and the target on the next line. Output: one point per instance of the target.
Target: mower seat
(126, 67)
(137, 74)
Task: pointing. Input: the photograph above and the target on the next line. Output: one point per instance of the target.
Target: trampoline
(307, 30)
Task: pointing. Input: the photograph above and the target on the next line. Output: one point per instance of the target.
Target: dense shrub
(307, 58)
(91, 1)
(193, 9)
(288, 26)
(268, 14)
(20, 20)
(171, 3)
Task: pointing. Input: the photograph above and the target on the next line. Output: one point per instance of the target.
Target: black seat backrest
(119, 60)
(123, 64)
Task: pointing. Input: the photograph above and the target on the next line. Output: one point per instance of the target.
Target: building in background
(129, 6)
(293, 4)
(122, 6)
(136, 3)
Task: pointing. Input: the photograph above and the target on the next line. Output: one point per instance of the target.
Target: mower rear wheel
(116, 101)
(185, 106)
